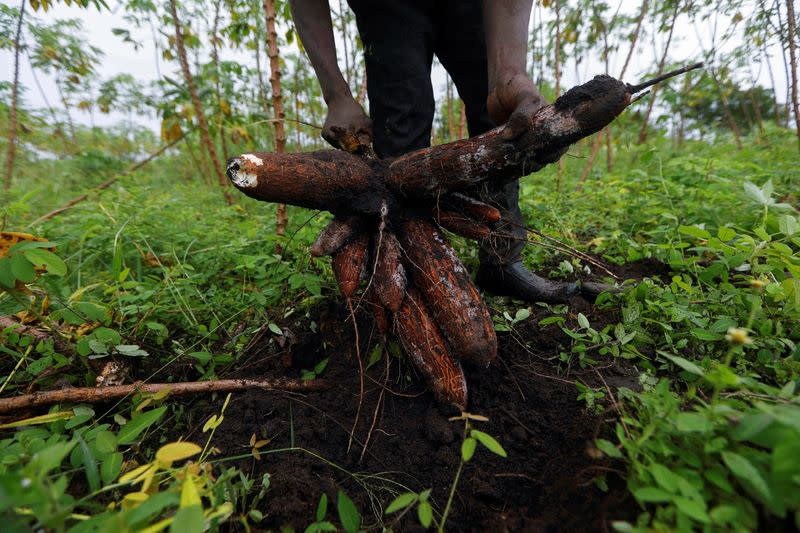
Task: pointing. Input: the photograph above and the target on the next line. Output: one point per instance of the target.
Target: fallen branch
(104, 394)
(62, 346)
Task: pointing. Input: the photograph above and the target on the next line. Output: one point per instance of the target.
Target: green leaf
(21, 246)
(665, 478)
(583, 322)
(651, 495)
(152, 507)
(375, 355)
(110, 467)
(724, 514)
(46, 259)
(425, 514)
(275, 328)
(105, 442)
(7, 279)
(322, 507)
(522, 314)
(784, 460)
(91, 311)
(51, 457)
(468, 448)
(693, 422)
(726, 234)
(683, 363)
(22, 269)
(705, 335)
(489, 442)
(130, 350)
(695, 509)
(401, 502)
(788, 225)
(348, 514)
(89, 465)
(128, 433)
(188, 518)
(694, 231)
(747, 473)
(608, 448)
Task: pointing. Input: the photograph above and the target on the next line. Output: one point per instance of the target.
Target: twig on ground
(103, 394)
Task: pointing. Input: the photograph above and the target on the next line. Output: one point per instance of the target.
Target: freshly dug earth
(545, 484)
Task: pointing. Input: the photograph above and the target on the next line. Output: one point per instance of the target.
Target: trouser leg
(398, 51)
(461, 47)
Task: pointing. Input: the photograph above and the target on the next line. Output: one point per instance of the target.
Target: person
(483, 46)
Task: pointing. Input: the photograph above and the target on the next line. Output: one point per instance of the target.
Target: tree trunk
(786, 112)
(198, 107)
(609, 145)
(281, 218)
(451, 121)
(557, 65)
(737, 134)
(297, 132)
(345, 39)
(215, 58)
(661, 65)
(462, 120)
(11, 150)
(793, 61)
(767, 60)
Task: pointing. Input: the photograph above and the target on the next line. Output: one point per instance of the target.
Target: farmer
(483, 46)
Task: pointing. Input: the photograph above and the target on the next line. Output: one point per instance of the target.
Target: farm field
(669, 404)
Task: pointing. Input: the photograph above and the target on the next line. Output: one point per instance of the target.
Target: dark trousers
(400, 38)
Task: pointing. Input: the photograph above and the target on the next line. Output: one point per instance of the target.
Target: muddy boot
(591, 290)
(517, 281)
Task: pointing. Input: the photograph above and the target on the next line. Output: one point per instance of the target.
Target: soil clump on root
(545, 484)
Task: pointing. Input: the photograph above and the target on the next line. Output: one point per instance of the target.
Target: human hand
(347, 127)
(513, 101)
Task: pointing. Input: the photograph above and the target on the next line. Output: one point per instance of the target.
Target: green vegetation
(158, 270)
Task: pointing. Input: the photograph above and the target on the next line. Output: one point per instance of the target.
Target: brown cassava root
(418, 283)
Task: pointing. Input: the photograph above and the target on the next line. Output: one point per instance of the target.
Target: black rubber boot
(517, 281)
(591, 290)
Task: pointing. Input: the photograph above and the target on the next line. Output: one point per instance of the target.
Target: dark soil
(545, 484)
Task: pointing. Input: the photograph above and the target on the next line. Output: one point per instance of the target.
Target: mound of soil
(545, 484)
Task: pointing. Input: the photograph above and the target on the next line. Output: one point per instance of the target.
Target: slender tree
(277, 99)
(557, 65)
(609, 145)
(451, 120)
(793, 60)
(462, 120)
(217, 90)
(784, 47)
(11, 149)
(661, 64)
(196, 104)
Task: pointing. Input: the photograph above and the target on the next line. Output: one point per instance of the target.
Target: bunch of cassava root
(388, 214)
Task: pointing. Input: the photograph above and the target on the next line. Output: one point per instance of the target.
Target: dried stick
(104, 394)
(23, 329)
